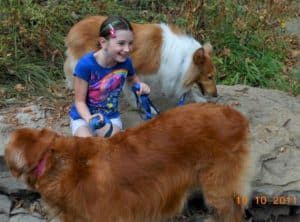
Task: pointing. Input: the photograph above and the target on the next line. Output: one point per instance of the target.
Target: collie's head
(202, 71)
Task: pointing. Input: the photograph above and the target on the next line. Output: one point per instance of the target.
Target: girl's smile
(115, 50)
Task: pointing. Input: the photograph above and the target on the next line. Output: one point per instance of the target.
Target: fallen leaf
(19, 87)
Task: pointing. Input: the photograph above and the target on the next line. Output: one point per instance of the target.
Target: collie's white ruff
(176, 57)
(171, 72)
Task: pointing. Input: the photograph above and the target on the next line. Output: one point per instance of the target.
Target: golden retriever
(143, 174)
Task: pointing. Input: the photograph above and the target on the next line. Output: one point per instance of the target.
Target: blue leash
(95, 124)
(144, 103)
(181, 100)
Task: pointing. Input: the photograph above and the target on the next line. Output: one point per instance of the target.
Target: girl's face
(118, 48)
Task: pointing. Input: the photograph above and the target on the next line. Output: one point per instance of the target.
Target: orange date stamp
(264, 199)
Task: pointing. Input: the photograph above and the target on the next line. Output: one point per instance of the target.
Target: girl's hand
(100, 116)
(96, 121)
(144, 89)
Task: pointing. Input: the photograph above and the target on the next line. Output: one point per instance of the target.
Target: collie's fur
(163, 56)
(143, 174)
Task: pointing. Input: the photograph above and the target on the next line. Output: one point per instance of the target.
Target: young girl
(99, 79)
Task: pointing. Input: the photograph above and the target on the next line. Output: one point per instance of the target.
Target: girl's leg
(117, 125)
(83, 131)
(80, 128)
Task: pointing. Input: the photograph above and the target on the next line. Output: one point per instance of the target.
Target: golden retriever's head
(26, 150)
(202, 72)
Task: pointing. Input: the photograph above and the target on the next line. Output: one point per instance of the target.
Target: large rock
(275, 128)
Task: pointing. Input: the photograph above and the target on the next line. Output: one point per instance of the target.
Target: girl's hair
(112, 24)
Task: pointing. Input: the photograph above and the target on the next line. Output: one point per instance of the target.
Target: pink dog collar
(40, 168)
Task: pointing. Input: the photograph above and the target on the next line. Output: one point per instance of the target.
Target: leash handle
(136, 87)
(96, 123)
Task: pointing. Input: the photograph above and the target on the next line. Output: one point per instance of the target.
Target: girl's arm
(81, 88)
(144, 88)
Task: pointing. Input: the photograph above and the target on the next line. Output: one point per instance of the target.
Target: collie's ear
(208, 48)
(25, 149)
(201, 54)
(199, 57)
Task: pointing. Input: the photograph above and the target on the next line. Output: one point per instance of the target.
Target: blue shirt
(104, 85)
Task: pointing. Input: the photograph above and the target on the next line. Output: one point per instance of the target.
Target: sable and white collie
(166, 58)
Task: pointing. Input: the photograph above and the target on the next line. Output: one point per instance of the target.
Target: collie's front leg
(197, 96)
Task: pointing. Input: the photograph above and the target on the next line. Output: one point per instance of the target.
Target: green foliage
(248, 38)
(32, 39)
(250, 43)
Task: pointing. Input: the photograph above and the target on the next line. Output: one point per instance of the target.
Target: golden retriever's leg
(226, 210)
(221, 186)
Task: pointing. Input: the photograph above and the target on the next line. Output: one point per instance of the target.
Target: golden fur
(142, 174)
(147, 54)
